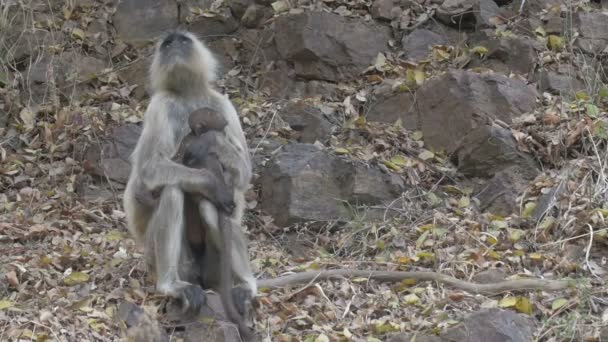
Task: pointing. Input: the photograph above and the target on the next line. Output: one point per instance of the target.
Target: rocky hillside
(464, 137)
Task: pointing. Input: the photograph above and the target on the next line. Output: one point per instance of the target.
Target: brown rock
(327, 46)
(451, 105)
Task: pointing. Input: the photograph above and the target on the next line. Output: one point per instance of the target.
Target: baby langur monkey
(202, 150)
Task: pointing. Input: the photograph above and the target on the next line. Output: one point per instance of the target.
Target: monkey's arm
(160, 172)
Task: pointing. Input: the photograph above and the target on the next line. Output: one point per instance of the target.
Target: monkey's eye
(167, 42)
(184, 40)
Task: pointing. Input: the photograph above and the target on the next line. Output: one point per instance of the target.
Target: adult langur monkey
(181, 75)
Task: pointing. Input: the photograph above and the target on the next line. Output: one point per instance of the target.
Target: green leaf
(603, 93)
(540, 31)
(555, 42)
(464, 202)
(416, 135)
(480, 50)
(76, 278)
(592, 110)
(78, 33)
(3, 78)
(340, 150)
(558, 303)
(426, 155)
(5, 304)
(399, 160)
(528, 209)
(582, 96)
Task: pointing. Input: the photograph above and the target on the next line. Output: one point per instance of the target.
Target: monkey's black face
(175, 48)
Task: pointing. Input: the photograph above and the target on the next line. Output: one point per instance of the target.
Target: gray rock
(327, 46)
(382, 9)
(282, 83)
(140, 326)
(453, 104)
(303, 183)
(557, 83)
(137, 74)
(491, 153)
(416, 44)
(258, 46)
(111, 159)
(222, 23)
(487, 150)
(390, 108)
(308, 122)
(493, 275)
(498, 195)
(514, 54)
(213, 324)
(468, 14)
(593, 30)
(238, 7)
(255, 15)
(139, 21)
(29, 43)
(490, 325)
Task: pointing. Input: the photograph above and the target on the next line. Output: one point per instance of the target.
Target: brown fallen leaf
(11, 277)
(551, 119)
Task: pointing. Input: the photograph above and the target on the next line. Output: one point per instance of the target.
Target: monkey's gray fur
(181, 75)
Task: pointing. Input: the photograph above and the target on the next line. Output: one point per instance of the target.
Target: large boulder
(304, 183)
(453, 104)
(327, 46)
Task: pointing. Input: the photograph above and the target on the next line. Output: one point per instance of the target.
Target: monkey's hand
(222, 197)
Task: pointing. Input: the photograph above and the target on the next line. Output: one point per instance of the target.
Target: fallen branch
(394, 276)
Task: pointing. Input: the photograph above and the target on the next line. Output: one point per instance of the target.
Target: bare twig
(395, 276)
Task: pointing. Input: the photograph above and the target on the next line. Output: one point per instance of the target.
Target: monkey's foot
(191, 298)
(242, 299)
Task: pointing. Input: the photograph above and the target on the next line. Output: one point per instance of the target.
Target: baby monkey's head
(182, 64)
(204, 120)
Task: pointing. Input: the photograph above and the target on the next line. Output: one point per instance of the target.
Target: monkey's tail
(226, 279)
